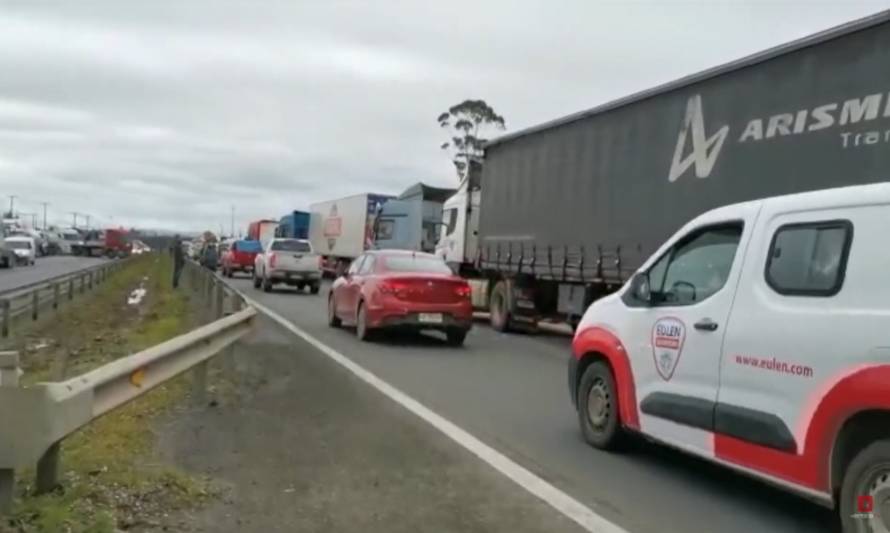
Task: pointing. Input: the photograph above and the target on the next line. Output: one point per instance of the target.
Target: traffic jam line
(559, 500)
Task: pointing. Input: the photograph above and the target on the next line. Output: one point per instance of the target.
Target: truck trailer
(565, 212)
(294, 225)
(340, 230)
(262, 230)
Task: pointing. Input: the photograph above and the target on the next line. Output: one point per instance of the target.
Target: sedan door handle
(706, 324)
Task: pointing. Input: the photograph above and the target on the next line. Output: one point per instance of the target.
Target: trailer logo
(704, 150)
(668, 335)
(332, 227)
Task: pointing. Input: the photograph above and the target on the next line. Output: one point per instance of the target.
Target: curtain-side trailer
(565, 212)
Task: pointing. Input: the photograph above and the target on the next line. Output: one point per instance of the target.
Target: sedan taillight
(462, 290)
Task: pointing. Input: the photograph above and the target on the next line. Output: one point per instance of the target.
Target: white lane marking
(559, 500)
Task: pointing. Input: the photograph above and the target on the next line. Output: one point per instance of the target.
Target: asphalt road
(46, 267)
(510, 391)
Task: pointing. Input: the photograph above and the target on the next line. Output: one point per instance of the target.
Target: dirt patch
(305, 446)
(110, 477)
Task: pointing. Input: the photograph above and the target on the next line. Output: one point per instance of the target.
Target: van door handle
(706, 324)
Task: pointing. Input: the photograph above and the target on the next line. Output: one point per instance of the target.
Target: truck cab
(755, 337)
(459, 232)
(411, 221)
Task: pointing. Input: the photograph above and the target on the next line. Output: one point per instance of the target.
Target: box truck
(412, 220)
(340, 230)
(565, 212)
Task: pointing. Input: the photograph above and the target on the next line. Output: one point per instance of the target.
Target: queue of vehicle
(716, 242)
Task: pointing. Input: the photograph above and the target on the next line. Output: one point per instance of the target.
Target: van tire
(499, 307)
(601, 429)
(314, 288)
(869, 467)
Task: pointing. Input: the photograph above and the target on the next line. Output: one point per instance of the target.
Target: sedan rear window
(407, 263)
(291, 246)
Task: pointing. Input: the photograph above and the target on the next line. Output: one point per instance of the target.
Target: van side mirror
(640, 288)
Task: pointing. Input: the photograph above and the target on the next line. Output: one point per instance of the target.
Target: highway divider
(34, 420)
(35, 299)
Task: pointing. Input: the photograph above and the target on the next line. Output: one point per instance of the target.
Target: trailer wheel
(499, 307)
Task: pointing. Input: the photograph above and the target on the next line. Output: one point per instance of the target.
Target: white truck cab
(758, 336)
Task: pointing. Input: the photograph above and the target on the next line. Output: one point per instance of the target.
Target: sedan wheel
(333, 319)
(361, 323)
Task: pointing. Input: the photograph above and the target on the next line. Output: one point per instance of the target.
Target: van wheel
(865, 493)
(498, 308)
(598, 407)
(314, 288)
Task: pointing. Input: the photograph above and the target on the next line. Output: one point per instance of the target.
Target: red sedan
(391, 289)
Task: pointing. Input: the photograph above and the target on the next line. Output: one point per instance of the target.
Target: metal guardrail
(31, 299)
(37, 418)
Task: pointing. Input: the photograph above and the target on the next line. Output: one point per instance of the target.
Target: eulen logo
(704, 149)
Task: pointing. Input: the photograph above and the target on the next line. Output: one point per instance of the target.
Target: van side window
(809, 259)
(696, 267)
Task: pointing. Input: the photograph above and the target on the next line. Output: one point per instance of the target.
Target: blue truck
(411, 221)
(294, 225)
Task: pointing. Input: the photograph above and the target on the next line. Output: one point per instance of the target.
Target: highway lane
(45, 268)
(510, 391)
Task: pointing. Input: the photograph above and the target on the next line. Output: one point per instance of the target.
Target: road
(46, 267)
(510, 391)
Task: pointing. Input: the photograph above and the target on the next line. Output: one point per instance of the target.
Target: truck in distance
(412, 220)
(341, 230)
(294, 225)
(262, 230)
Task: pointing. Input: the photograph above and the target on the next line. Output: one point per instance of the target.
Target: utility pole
(88, 221)
(12, 198)
(232, 222)
(44, 204)
(74, 221)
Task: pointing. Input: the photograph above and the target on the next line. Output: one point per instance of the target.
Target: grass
(111, 479)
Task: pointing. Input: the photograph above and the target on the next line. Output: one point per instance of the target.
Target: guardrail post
(70, 288)
(83, 283)
(90, 277)
(9, 377)
(6, 312)
(56, 292)
(35, 304)
(47, 475)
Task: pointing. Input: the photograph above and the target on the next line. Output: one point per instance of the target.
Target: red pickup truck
(239, 257)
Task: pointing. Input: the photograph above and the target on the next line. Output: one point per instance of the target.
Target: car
(401, 289)
(24, 248)
(755, 337)
(289, 261)
(240, 257)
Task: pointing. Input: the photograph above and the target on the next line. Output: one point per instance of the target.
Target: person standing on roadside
(178, 260)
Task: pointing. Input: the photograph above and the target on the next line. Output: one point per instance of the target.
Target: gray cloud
(166, 113)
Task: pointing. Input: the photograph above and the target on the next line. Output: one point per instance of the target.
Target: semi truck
(108, 242)
(412, 220)
(340, 230)
(294, 225)
(560, 214)
(262, 230)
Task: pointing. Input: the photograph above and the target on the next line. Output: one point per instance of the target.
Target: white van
(758, 336)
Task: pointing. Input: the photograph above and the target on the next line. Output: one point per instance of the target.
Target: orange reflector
(137, 377)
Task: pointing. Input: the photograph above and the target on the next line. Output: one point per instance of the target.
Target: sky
(165, 114)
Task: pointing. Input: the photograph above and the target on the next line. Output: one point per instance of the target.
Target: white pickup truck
(289, 261)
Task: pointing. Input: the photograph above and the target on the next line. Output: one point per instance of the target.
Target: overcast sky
(163, 114)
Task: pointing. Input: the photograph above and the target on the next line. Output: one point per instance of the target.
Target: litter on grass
(136, 296)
